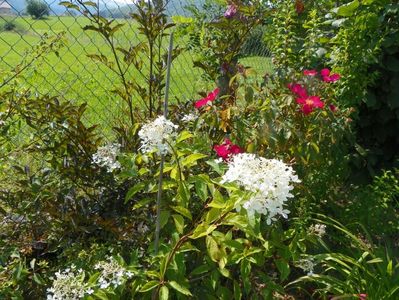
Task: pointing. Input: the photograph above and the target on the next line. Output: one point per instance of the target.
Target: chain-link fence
(73, 75)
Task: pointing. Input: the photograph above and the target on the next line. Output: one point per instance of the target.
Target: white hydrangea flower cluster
(106, 157)
(318, 229)
(270, 180)
(68, 284)
(189, 118)
(112, 274)
(154, 135)
(307, 265)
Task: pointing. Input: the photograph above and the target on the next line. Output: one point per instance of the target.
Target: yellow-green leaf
(180, 288)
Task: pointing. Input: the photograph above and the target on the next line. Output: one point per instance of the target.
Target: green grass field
(75, 76)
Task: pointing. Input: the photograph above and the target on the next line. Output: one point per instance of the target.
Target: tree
(37, 9)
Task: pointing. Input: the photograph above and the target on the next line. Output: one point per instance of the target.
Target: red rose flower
(308, 104)
(227, 149)
(325, 74)
(309, 72)
(209, 98)
(332, 107)
(298, 89)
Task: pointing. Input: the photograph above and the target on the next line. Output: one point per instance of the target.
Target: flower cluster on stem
(269, 180)
(309, 103)
(68, 284)
(156, 135)
(106, 157)
(112, 273)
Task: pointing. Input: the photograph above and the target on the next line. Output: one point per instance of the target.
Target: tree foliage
(38, 9)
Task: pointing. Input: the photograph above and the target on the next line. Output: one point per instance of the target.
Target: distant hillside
(109, 8)
(173, 8)
(19, 6)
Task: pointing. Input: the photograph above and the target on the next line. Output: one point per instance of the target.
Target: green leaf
(183, 194)
(184, 135)
(183, 211)
(101, 294)
(201, 270)
(212, 215)
(179, 223)
(89, 3)
(225, 272)
(38, 279)
(180, 288)
(237, 291)
(164, 293)
(201, 188)
(202, 230)
(192, 158)
(134, 190)
(182, 20)
(93, 278)
(348, 9)
(149, 286)
(213, 248)
(283, 268)
(218, 200)
(116, 28)
(217, 167)
(389, 268)
(164, 218)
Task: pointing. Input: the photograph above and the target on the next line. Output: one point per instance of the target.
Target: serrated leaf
(213, 248)
(348, 9)
(164, 217)
(38, 279)
(180, 288)
(134, 190)
(101, 294)
(149, 286)
(202, 230)
(183, 211)
(179, 223)
(283, 268)
(217, 167)
(218, 201)
(164, 293)
(184, 135)
(192, 158)
(201, 270)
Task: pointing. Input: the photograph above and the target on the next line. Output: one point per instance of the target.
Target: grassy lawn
(75, 76)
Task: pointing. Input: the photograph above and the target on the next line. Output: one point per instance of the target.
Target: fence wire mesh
(73, 75)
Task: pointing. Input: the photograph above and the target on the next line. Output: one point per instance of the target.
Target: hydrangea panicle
(111, 273)
(318, 230)
(270, 180)
(189, 118)
(68, 284)
(106, 157)
(155, 135)
(307, 265)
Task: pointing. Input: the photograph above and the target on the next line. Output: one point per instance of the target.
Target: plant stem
(165, 113)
